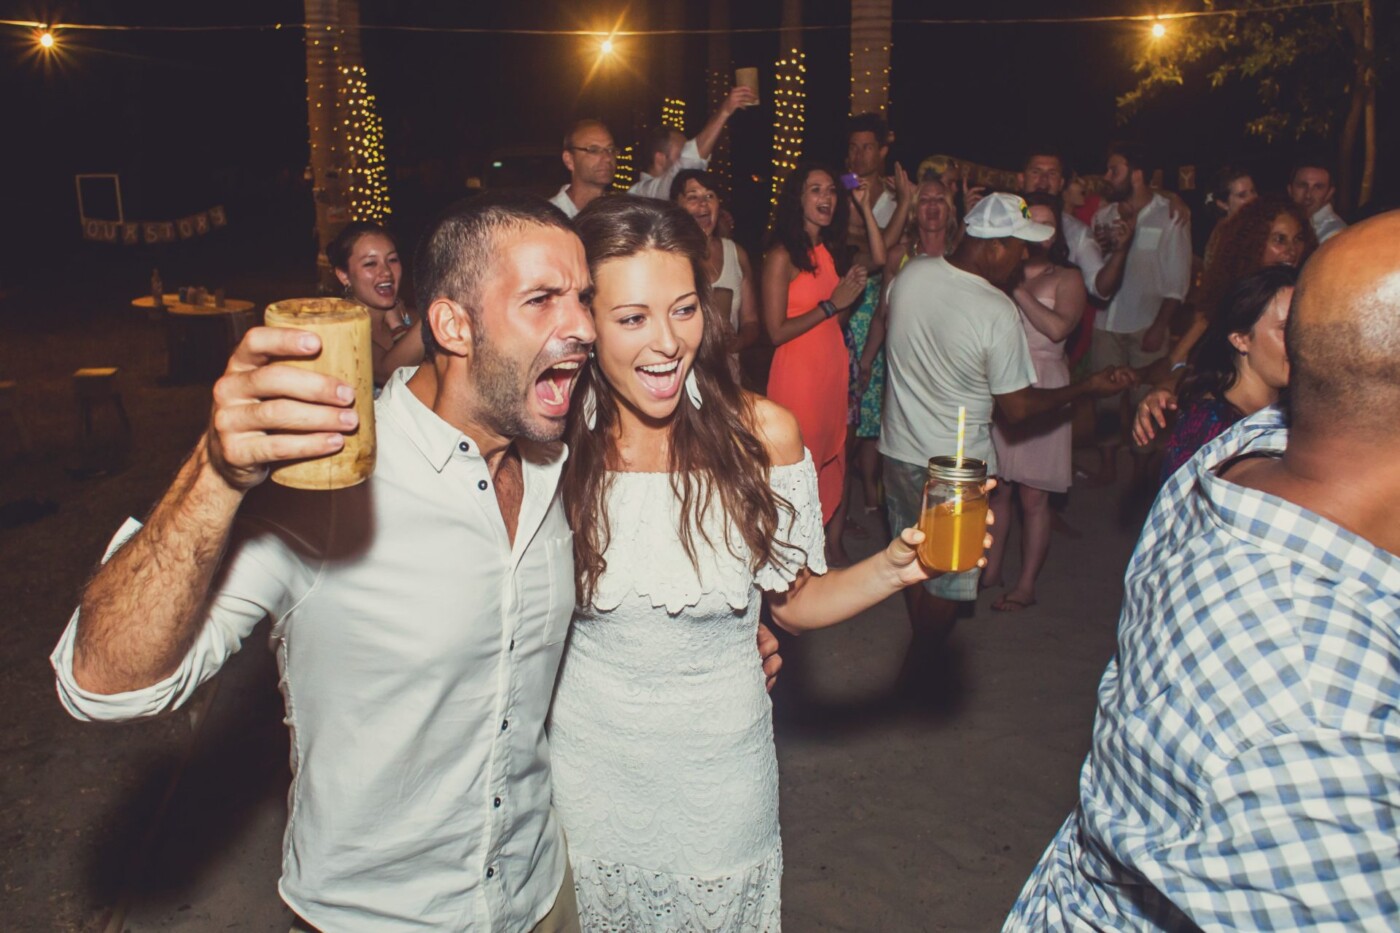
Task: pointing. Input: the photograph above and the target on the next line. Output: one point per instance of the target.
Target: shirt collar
(435, 439)
(1282, 527)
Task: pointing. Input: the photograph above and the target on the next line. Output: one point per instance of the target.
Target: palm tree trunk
(330, 151)
(870, 56)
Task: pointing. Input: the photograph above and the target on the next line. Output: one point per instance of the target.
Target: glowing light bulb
(607, 46)
(1158, 30)
(46, 39)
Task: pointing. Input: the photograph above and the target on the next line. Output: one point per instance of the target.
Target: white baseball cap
(1001, 215)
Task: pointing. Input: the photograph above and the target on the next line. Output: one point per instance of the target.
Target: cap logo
(1025, 209)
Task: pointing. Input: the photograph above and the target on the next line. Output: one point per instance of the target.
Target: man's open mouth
(555, 385)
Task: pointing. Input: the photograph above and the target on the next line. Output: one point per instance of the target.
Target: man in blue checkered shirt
(1245, 766)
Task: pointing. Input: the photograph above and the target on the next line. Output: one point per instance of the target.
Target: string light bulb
(1159, 29)
(607, 46)
(46, 39)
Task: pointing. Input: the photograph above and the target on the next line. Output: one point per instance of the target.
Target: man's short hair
(1312, 160)
(579, 127)
(1047, 150)
(1135, 154)
(456, 252)
(871, 123)
(658, 141)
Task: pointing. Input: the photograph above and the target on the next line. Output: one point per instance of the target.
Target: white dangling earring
(692, 388)
(590, 407)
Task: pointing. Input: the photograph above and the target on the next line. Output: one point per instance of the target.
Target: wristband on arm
(828, 307)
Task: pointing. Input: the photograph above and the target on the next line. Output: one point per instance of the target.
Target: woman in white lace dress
(689, 499)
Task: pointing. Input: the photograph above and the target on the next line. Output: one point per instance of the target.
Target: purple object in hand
(851, 180)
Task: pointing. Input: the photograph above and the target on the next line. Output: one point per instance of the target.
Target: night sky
(193, 119)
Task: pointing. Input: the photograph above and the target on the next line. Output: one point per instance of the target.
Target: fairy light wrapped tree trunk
(870, 56)
(789, 99)
(349, 177)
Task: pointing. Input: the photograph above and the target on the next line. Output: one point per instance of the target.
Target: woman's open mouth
(661, 380)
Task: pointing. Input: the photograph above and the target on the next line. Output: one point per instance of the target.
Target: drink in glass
(954, 514)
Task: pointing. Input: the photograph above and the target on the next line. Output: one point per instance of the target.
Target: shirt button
(481, 485)
(512, 644)
(505, 724)
(464, 446)
(490, 872)
(496, 802)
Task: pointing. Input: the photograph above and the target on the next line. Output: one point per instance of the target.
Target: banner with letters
(154, 232)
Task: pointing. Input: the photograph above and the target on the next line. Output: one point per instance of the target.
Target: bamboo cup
(747, 77)
(343, 327)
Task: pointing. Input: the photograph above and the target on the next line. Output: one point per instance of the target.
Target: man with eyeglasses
(591, 158)
(668, 151)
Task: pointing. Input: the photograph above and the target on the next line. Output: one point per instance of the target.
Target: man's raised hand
(265, 412)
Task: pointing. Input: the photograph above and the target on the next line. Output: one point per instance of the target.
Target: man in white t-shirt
(955, 340)
(1310, 186)
(591, 158)
(668, 151)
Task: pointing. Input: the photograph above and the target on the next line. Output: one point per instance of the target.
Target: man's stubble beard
(501, 393)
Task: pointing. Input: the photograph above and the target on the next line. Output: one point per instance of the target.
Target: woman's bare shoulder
(777, 428)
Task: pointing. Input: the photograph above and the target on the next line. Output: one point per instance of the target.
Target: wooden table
(199, 338)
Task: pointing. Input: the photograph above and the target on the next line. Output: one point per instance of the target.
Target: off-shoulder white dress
(661, 734)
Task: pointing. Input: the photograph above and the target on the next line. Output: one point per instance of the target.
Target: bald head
(1344, 332)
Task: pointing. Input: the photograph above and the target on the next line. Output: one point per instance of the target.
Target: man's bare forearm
(1110, 277)
(142, 610)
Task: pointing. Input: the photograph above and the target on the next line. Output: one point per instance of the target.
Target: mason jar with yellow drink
(954, 514)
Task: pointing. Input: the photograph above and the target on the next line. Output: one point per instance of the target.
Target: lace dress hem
(617, 898)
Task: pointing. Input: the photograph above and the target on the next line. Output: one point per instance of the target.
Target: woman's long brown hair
(715, 453)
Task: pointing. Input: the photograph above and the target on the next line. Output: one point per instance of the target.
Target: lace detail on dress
(644, 523)
(615, 898)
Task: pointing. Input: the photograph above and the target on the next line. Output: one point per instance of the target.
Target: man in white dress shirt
(1310, 186)
(1132, 330)
(1045, 171)
(591, 158)
(667, 151)
(418, 619)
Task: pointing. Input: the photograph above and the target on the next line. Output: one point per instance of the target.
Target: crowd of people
(524, 664)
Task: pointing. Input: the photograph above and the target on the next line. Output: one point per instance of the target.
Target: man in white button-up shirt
(1132, 331)
(418, 618)
(667, 151)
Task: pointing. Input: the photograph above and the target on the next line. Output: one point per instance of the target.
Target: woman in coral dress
(805, 293)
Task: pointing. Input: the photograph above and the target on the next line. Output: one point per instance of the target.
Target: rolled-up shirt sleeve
(1175, 257)
(245, 590)
(1084, 252)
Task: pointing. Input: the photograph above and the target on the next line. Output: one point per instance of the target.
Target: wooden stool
(93, 387)
(9, 411)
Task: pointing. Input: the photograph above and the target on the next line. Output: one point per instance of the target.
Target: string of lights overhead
(45, 33)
